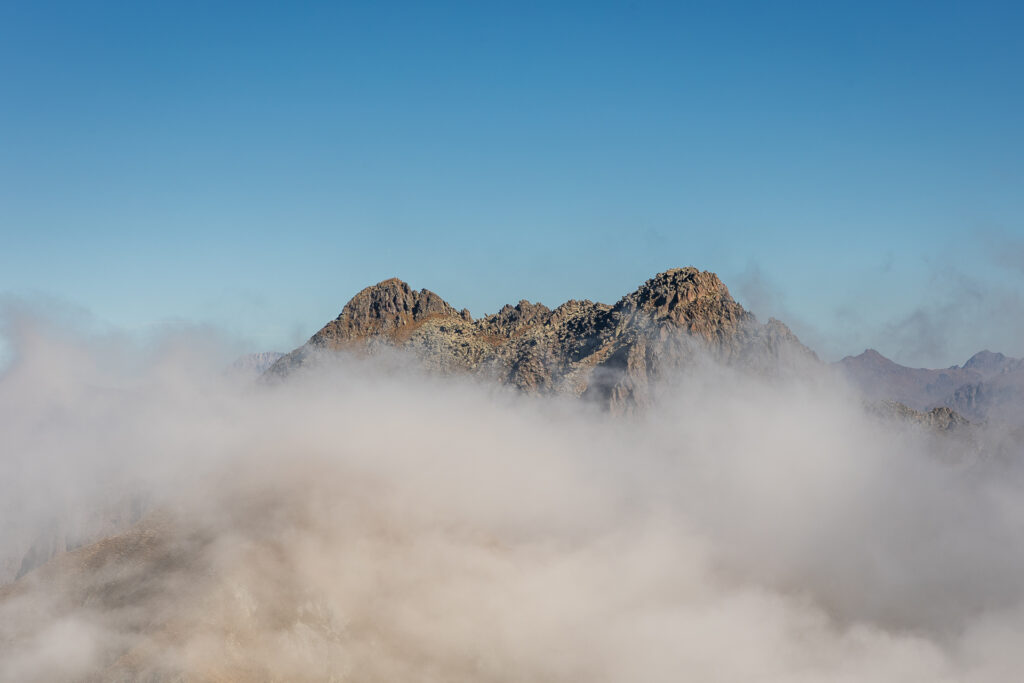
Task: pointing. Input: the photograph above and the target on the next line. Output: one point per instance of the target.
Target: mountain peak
(869, 358)
(677, 285)
(379, 309)
(986, 361)
(695, 300)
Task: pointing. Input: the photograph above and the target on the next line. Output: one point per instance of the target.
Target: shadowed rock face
(610, 354)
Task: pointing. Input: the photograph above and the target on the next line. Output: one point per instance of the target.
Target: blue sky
(856, 169)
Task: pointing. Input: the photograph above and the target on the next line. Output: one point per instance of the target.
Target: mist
(367, 521)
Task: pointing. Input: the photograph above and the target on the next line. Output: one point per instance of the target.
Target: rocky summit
(612, 354)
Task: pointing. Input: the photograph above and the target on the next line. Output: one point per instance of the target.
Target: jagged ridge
(611, 354)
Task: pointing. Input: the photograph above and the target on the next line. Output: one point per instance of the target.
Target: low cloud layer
(363, 521)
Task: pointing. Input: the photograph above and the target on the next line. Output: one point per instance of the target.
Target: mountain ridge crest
(611, 353)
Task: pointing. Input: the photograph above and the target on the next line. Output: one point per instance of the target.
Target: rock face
(988, 385)
(610, 354)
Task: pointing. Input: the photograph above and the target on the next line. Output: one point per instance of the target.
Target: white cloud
(373, 523)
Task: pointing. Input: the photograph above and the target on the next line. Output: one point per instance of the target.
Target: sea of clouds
(365, 521)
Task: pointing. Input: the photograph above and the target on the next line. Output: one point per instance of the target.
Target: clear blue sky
(856, 169)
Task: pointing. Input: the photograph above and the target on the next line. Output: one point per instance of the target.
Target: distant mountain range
(988, 386)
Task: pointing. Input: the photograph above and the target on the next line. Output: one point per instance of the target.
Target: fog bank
(364, 521)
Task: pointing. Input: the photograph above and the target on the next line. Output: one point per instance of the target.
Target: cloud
(960, 310)
(765, 298)
(1006, 250)
(369, 522)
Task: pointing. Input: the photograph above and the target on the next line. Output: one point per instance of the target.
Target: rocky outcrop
(941, 419)
(612, 354)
